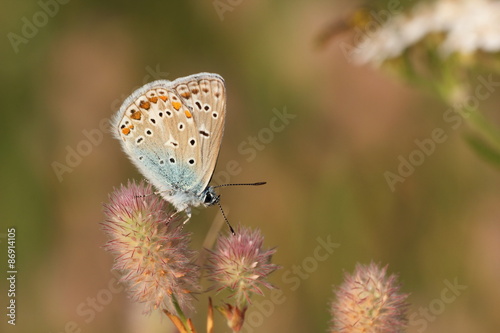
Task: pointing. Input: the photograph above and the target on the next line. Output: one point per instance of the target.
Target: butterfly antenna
(249, 184)
(225, 218)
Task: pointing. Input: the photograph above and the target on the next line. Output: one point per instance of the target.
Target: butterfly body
(172, 132)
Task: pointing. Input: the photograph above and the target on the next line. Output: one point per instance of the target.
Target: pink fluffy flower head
(369, 301)
(240, 264)
(150, 249)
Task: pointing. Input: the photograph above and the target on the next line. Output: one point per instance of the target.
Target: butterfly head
(210, 197)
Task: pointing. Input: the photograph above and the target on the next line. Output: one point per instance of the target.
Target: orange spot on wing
(145, 105)
(186, 95)
(163, 98)
(136, 115)
(126, 130)
(153, 99)
(176, 105)
(188, 114)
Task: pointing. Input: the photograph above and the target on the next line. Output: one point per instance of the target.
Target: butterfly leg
(188, 215)
(174, 215)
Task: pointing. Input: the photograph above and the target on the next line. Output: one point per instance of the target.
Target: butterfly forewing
(172, 131)
(206, 102)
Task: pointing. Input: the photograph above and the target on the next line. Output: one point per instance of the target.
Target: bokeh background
(325, 168)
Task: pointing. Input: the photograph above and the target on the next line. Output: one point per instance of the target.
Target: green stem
(180, 314)
(241, 297)
(482, 126)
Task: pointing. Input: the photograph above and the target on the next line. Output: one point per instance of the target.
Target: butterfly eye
(209, 198)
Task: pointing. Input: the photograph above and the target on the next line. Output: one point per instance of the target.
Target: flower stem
(183, 324)
(180, 313)
(481, 125)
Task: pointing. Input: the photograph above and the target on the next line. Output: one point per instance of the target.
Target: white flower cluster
(467, 26)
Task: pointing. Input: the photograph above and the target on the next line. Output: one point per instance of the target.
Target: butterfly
(172, 132)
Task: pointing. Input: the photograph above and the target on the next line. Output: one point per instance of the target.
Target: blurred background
(342, 128)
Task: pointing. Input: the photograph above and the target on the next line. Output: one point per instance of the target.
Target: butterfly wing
(171, 140)
(205, 96)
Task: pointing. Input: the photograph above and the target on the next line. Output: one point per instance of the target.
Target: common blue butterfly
(172, 132)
